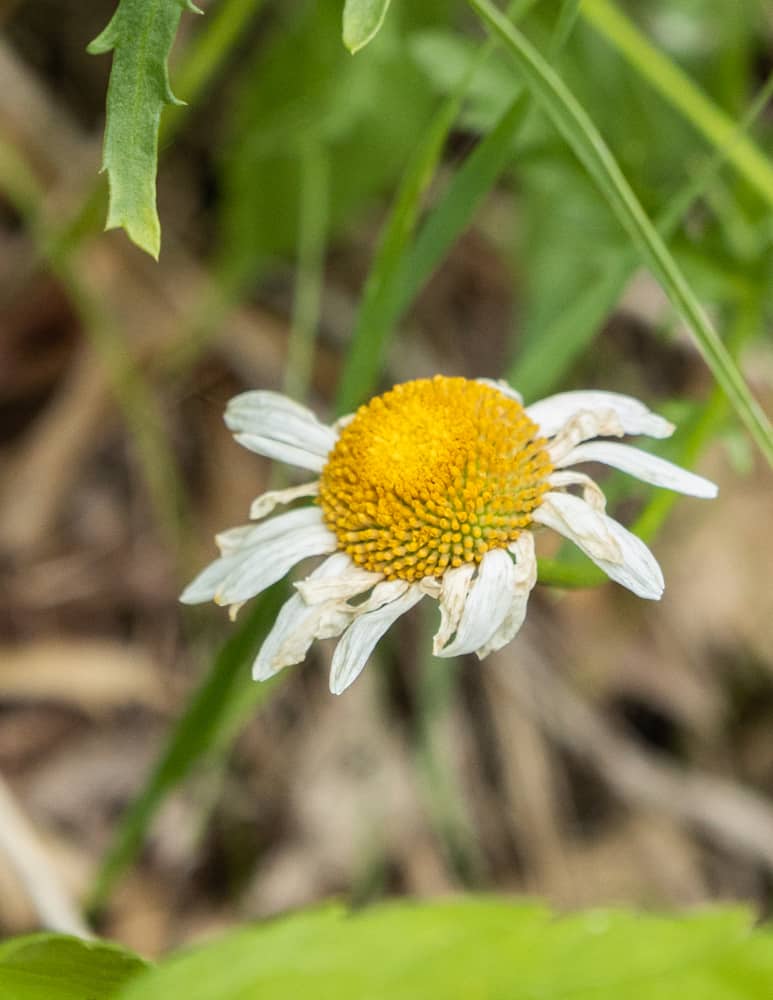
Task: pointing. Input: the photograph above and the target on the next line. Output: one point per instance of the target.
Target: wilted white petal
(298, 624)
(266, 502)
(487, 604)
(623, 557)
(280, 451)
(206, 584)
(283, 524)
(504, 387)
(525, 578)
(264, 563)
(383, 593)
(455, 586)
(360, 638)
(264, 414)
(591, 490)
(247, 552)
(648, 468)
(553, 412)
(344, 580)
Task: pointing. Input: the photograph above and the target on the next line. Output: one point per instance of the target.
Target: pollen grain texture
(433, 474)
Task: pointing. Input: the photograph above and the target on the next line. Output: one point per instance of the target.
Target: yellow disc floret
(431, 475)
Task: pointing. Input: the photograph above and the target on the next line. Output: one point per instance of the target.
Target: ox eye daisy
(433, 489)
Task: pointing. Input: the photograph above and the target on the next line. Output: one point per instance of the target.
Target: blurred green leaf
(212, 718)
(473, 947)
(574, 124)
(140, 35)
(57, 967)
(362, 20)
(303, 85)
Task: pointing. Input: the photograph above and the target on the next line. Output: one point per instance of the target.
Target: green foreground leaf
(362, 20)
(574, 124)
(140, 35)
(481, 948)
(56, 967)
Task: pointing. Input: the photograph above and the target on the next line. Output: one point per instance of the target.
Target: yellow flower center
(431, 475)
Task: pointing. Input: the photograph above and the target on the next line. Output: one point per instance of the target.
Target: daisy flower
(433, 489)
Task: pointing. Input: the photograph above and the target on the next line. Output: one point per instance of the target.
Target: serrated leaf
(140, 36)
(58, 967)
(362, 20)
(475, 947)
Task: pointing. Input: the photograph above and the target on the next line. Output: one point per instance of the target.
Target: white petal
(250, 534)
(525, 578)
(271, 415)
(264, 563)
(348, 582)
(553, 412)
(591, 491)
(503, 387)
(249, 549)
(455, 586)
(298, 624)
(280, 451)
(623, 557)
(648, 468)
(358, 641)
(487, 604)
(266, 502)
(204, 586)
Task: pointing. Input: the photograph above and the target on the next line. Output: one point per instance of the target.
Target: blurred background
(617, 751)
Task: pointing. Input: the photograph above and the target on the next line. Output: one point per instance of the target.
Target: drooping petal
(553, 412)
(298, 624)
(349, 581)
(487, 604)
(504, 387)
(268, 561)
(255, 556)
(272, 415)
(359, 640)
(266, 502)
(525, 578)
(649, 468)
(623, 557)
(591, 491)
(455, 586)
(205, 585)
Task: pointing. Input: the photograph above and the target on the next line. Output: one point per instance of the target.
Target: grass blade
(574, 124)
(673, 84)
(545, 362)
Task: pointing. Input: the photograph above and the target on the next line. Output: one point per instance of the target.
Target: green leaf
(474, 947)
(362, 20)
(57, 967)
(221, 705)
(574, 124)
(140, 35)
